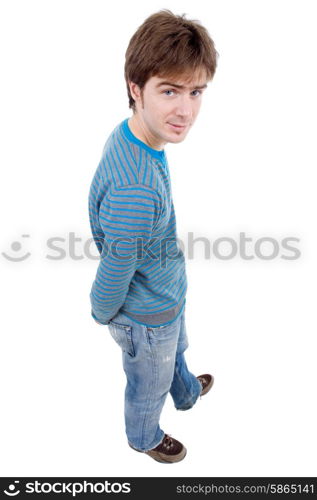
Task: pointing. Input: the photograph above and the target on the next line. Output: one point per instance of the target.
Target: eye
(198, 93)
(164, 91)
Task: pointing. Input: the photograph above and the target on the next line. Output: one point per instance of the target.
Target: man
(140, 286)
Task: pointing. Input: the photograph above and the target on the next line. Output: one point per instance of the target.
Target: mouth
(176, 126)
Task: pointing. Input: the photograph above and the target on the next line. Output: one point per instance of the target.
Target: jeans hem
(148, 449)
(190, 406)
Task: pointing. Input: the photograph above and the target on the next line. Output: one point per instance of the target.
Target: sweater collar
(160, 155)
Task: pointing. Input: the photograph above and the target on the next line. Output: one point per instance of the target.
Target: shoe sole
(208, 387)
(172, 459)
(159, 458)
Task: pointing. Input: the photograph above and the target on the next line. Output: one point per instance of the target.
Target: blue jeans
(154, 364)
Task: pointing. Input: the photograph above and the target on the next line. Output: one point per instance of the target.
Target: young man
(140, 286)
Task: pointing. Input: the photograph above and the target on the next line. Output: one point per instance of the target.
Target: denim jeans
(154, 364)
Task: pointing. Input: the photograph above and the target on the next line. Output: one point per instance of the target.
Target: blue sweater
(141, 272)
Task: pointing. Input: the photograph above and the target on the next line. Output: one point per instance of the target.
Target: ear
(135, 91)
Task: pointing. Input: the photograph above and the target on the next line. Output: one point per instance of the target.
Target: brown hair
(166, 45)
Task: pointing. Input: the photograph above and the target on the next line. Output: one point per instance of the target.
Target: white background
(248, 165)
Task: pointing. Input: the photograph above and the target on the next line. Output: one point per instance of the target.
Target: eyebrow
(170, 84)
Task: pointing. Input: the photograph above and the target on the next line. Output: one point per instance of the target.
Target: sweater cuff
(97, 319)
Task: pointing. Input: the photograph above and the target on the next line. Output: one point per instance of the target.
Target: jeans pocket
(160, 335)
(122, 334)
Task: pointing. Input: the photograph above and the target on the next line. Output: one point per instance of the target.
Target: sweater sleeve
(127, 217)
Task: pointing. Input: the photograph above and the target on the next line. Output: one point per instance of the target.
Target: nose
(184, 106)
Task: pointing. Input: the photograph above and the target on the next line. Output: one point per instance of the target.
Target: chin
(175, 139)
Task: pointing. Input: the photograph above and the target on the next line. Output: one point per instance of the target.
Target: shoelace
(168, 442)
(203, 380)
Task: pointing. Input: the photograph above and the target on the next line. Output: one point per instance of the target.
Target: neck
(139, 129)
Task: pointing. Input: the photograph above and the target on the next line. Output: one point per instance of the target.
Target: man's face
(167, 108)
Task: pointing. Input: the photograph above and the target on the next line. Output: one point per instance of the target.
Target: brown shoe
(168, 451)
(206, 381)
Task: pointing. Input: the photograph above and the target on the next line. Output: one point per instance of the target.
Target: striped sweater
(141, 272)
